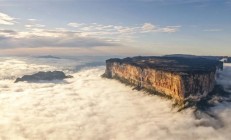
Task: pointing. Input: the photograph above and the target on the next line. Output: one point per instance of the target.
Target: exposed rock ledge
(175, 77)
(43, 76)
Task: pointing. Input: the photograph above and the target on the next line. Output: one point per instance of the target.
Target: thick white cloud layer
(89, 107)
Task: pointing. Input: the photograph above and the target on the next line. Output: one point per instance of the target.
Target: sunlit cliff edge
(175, 77)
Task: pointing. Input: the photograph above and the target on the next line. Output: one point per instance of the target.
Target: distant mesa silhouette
(48, 56)
(44, 76)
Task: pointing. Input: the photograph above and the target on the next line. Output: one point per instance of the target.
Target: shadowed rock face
(176, 77)
(45, 76)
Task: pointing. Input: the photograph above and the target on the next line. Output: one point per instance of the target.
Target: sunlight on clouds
(92, 108)
(91, 35)
(170, 29)
(6, 19)
(32, 19)
(99, 29)
(34, 26)
(73, 24)
(147, 27)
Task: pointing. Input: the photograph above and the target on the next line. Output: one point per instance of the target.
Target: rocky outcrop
(43, 76)
(175, 77)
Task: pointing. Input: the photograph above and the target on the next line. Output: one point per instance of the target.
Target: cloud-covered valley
(90, 107)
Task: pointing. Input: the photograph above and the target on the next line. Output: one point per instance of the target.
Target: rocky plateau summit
(179, 78)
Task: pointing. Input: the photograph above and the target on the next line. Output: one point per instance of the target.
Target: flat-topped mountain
(177, 77)
(172, 64)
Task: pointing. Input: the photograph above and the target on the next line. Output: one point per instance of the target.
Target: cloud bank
(95, 28)
(33, 34)
(89, 107)
(48, 38)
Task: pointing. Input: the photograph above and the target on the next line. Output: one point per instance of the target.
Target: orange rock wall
(176, 85)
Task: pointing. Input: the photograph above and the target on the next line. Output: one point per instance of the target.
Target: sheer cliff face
(198, 84)
(179, 85)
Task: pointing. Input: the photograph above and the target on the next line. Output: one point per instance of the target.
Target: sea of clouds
(88, 107)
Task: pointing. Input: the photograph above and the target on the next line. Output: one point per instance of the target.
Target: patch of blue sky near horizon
(148, 25)
(78, 35)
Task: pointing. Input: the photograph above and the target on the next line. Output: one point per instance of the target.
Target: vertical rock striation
(175, 77)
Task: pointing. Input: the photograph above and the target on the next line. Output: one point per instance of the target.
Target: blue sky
(115, 27)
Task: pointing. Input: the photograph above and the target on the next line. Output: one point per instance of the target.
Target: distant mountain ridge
(48, 56)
